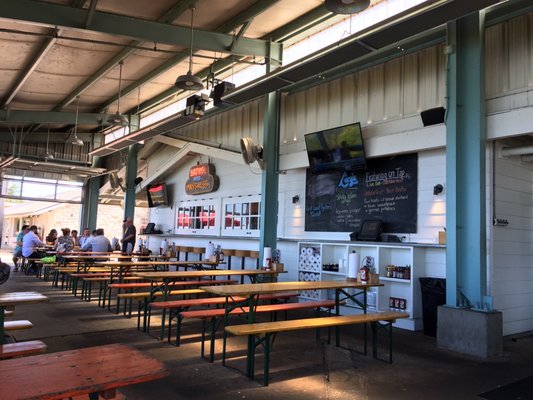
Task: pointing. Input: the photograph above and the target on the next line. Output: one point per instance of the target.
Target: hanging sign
(202, 179)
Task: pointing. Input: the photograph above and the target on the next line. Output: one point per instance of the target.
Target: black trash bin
(433, 295)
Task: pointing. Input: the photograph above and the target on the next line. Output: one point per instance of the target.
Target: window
(197, 217)
(242, 215)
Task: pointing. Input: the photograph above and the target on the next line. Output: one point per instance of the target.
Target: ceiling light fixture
(48, 156)
(346, 6)
(75, 140)
(190, 81)
(119, 119)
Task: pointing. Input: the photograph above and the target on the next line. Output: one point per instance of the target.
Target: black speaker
(220, 90)
(433, 116)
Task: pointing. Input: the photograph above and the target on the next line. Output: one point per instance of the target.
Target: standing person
(17, 251)
(98, 243)
(30, 242)
(84, 237)
(128, 238)
(74, 235)
(51, 238)
(65, 243)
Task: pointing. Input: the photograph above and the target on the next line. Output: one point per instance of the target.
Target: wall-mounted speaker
(433, 116)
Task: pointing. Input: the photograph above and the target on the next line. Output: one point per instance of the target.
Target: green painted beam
(228, 26)
(57, 15)
(52, 117)
(168, 17)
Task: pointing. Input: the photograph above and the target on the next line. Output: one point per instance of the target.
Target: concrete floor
(301, 367)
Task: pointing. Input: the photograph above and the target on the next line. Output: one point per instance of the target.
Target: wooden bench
(262, 333)
(176, 307)
(144, 298)
(19, 349)
(17, 325)
(141, 285)
(215, 315)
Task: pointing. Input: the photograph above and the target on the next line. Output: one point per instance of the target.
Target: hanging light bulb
(75, 140)
(190, 81)
(48, 156)
(119, 119)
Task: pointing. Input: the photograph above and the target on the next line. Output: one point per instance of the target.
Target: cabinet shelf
(384, 278)
(333, 273)
(422, 261)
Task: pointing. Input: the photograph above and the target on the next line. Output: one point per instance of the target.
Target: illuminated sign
(202, 179)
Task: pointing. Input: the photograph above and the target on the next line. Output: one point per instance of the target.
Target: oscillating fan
(251, 152)
(115, 181)
(346, 6)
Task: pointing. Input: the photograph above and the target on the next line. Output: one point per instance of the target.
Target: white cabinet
(400, 290)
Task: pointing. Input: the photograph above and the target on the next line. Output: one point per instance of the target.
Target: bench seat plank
(10, 350)
(312, 323)
(17, 325)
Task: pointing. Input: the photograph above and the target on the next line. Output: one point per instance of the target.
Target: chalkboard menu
(386, 190)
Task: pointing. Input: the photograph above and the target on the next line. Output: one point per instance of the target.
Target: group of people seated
(29, 242)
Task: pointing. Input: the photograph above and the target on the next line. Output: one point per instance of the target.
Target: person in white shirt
(30, 242)
(98, 243)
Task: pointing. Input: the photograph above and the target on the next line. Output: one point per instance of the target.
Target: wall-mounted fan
(251, 152)
(115, 181)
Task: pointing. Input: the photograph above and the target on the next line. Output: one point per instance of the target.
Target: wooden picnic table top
(249, 289)
(90, 256)
(14, 298)
(76, 372)
(169, 275)
(142, 262)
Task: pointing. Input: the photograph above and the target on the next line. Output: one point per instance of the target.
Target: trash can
(433, 295)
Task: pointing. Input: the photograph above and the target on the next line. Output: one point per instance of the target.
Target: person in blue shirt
(17, 251)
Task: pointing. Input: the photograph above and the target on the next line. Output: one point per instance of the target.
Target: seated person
(97, 243)
(17, 251)
(51, 238)
(65, 243)
(30, 242)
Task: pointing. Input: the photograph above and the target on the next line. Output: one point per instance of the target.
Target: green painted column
(270, 178)
(91, 191)
(465, 164)
(131, 174)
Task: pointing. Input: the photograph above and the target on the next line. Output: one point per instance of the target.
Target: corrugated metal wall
(396, 89)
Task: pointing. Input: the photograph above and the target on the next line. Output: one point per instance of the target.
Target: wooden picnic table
(16, 298)
(162, 280)
(95, 371)
(251, 293)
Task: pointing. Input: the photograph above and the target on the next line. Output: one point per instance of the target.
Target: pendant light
(346, 6)
(75, 140)
(48, 156)
(190, 81)
(119, 119)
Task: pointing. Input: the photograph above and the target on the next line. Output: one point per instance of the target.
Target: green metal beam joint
(57, 15)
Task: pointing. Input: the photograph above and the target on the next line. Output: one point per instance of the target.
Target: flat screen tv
(338, 148)
(157, 195)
